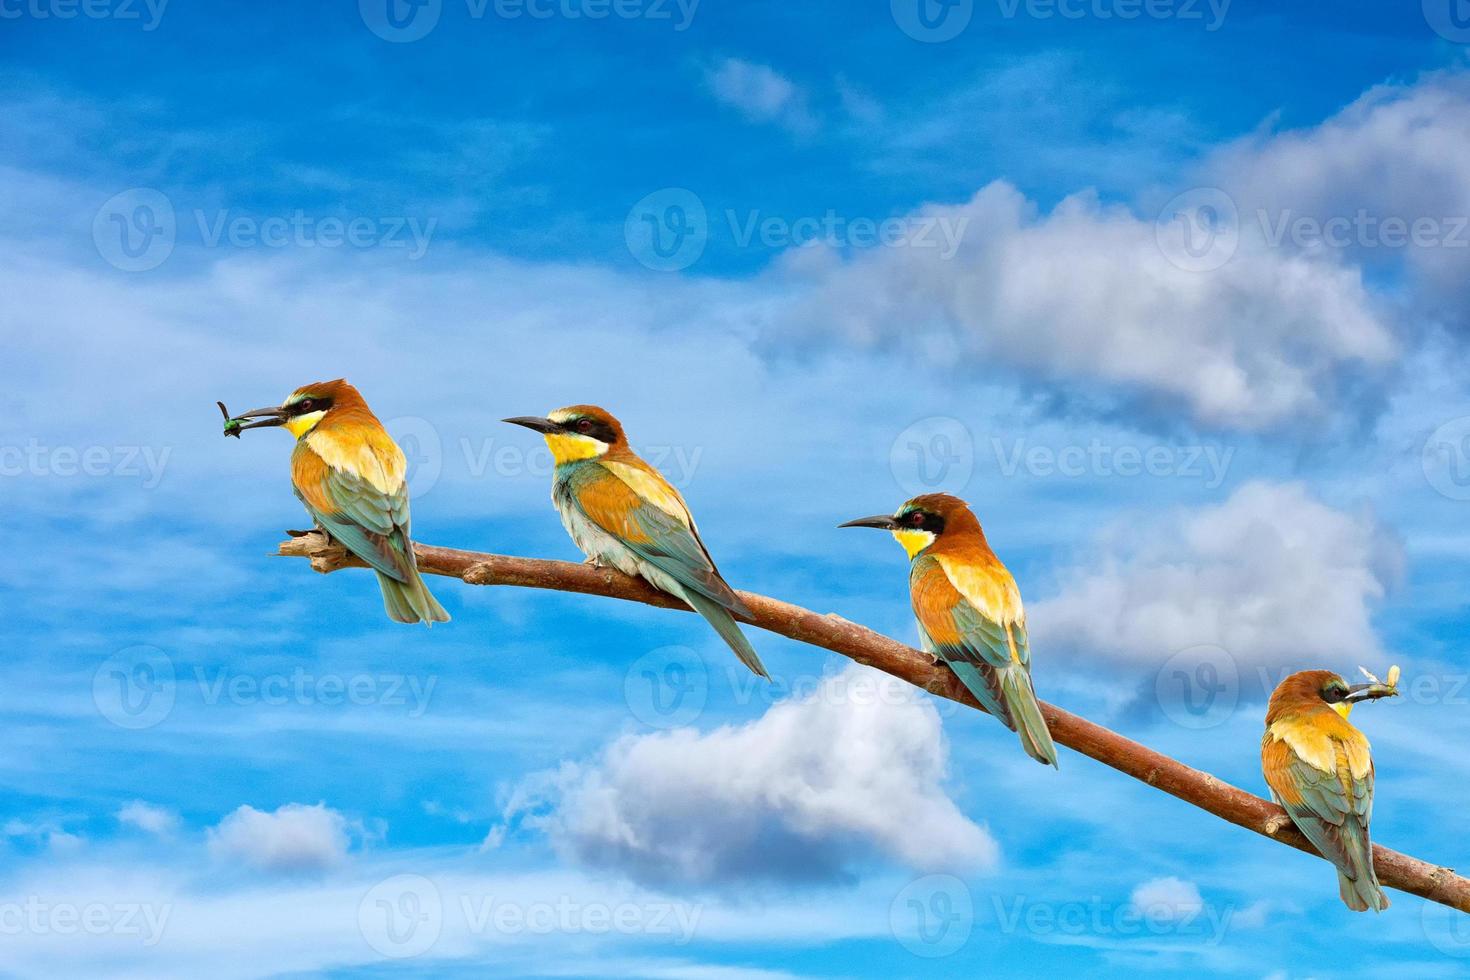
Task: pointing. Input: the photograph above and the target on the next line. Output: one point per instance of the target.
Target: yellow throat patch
(913, 541)
(569, 447)
(302, 424)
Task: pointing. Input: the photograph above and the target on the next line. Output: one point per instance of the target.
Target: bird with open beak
(1320, 770)
(351, 476)
(969, 611)
(622, 512)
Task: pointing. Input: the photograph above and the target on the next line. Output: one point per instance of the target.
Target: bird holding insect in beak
(622, 512)
(969, 611)
(1320, 770)
(350, 474)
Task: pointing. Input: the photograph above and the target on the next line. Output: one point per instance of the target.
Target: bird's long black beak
(265, 418)
(882, 522)
(1370, 692)
(535, 422)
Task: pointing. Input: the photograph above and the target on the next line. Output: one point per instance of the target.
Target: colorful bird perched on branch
(622, 512)
(1320, 770)
(350, 474)
(969, 611)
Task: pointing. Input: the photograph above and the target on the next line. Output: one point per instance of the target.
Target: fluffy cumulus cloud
(760, 94)
(811, 791)
(1167, 899)
(1385, 180)
(1087, 293)
(1241, 303)
(1272, 575)
(292, 838)
(156, 820)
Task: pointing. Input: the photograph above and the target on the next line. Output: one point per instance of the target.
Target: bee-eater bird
(350, 474)
(969, 611)
(622, 512)
(1320, 770)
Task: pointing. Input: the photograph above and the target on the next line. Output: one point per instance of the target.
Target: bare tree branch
(834, 633)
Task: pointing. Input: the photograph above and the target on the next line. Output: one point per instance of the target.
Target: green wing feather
(982, 660)
(672, 548)
(1334, 820)
(371, 524)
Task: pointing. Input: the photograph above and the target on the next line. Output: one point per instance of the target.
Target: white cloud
(760, 94)
(1167, 899)
(156, 820)
(1272, 575)
(56, 838)
(294, 837)
(1399, 152)
(1086, 293)
(809, 791)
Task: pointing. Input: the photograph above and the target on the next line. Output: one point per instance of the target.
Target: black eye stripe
(921, 520)
(308, 405)
(593, 428)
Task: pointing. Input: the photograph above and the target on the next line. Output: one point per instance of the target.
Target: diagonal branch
(834, 633)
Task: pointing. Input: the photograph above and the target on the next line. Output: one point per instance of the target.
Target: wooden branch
(834, 633)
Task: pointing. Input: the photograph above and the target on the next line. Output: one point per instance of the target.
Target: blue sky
(1172, 293)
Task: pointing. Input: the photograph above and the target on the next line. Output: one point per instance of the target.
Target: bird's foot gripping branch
(832, 632)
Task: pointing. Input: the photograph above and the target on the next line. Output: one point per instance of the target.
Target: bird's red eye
(584, 425)
(916, 519)
(306, 405)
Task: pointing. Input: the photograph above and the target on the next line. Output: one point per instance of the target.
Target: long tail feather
(411, 601)
(1363, 894)
(1360, 891)
(1015, 686)
(719, 617)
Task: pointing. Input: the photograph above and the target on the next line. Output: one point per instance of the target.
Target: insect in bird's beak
(1375, 688)
(536, 423)
(882, 522)
(235, 424)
